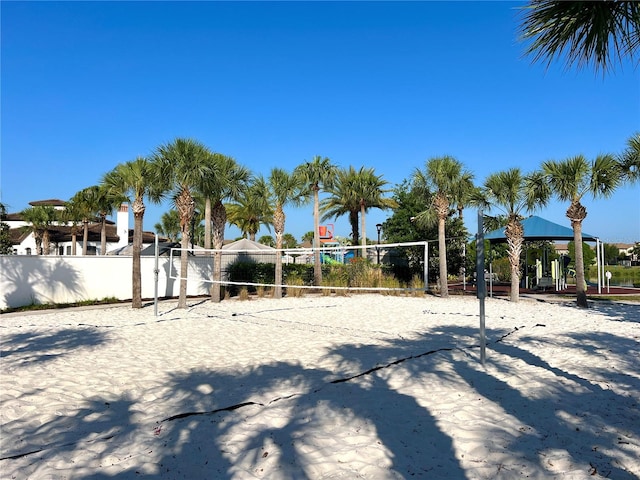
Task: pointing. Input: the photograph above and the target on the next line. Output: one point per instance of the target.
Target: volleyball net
(392, 267)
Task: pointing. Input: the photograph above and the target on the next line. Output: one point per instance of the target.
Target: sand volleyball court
(367, 386)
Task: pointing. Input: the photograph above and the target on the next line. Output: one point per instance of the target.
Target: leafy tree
(284, 188)
(40, 218)
(513, 193)
(251, 210)
(6, 248)
(307, 237)
(588, 256)
(318, 174)
(611, 254)
(581, 33)
(572, 179)
(134, 180)
(439, 181)
(169, 225)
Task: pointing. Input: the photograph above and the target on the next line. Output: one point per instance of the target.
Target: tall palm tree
(514, 193)
(183, 166)
(317, 174)
(252, 210)
(370, 195)
(40, 218)
(169, 225)
(226, 180)
(133, 181)
(572, 179)
(582, 32)
(285, 188)
(440, 181)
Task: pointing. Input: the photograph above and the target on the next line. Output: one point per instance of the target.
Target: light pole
(379, 228)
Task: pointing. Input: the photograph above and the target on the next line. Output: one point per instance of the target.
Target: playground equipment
(333, 253)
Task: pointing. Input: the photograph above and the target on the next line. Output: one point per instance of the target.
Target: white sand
(93, 393)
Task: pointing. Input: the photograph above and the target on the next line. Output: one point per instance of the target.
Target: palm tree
(513, 193)
(582, 32)
(630, 159)
(439, 181)
(572, 179)
(183, 167)
(353, 193)
(252, 210)
(169, 225)
(226, 180)
(86, 204)
(72, 214)
(105, 202)
(317, 174)
(40, 218)
(284, 188)
(133, 181)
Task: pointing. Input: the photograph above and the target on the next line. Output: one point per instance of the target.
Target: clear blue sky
(88, 85)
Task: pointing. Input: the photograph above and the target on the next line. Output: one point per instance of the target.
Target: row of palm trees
(511, 194)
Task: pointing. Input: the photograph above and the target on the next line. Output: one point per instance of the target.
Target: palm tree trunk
(185, 206)
(581, 284)
(103, 235)
(576, 213)
(85, 237)
(278, 226)
(514, 233)
(355, 232)
(46, 243)
(317, 267)
(74, 240)
(363, 229)
(442, 255)
(136, 270)
(207, 223)
(219, 217)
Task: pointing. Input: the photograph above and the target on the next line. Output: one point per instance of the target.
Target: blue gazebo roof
(536, 229)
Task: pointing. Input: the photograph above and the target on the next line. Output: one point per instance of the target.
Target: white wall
(38, 279)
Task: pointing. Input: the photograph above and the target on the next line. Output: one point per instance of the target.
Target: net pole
(481, 286)
(156, 271)
(426, 267)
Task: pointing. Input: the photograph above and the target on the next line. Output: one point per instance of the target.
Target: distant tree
(318, 174)
(581, 33)
(40, 219)
(588, 255)
(267, 240)
(307, 237)
(251, 210)
(611, 254)
(289, 241)
(85, 206)
(6, 248)
(169, 225)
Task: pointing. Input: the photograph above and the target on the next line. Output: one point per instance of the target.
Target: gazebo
(538, 229)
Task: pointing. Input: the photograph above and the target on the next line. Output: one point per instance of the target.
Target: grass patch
(53, 306)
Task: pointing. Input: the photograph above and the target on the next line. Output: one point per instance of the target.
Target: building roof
(537, 229)
(54, 202)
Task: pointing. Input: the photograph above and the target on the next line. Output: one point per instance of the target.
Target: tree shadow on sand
(296, 422)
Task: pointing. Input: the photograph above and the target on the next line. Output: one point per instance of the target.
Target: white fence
(27, 280)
